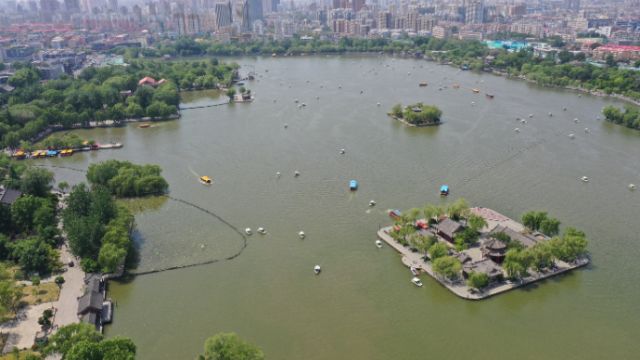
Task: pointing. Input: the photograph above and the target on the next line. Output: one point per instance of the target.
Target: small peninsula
(477, 252)
(417, 114)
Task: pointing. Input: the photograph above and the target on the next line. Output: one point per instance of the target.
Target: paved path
(72, 289)
(22, 331)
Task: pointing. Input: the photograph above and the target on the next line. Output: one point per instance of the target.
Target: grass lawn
(46, 292)
(23, 353)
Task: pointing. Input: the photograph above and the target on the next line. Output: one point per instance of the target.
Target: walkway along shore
(415, 259)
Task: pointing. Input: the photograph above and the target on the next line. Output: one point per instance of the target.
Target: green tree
(541, 256)
(33, 254)
(68, 336)
(516, 263)
(550, 226)
(231, 92)
(478, 280)
(438, 250)
(63, 186)
(229, 346)
(447, 267)
(37, 181)
(24, 211)
(396, 110)
(533, 219)
(476, 222)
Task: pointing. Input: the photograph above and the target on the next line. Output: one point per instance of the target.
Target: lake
(363, 306)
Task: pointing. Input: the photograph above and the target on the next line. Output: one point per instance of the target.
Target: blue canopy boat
(353, 185)
(444, 190)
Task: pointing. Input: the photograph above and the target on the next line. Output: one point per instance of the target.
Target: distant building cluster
(57, 33)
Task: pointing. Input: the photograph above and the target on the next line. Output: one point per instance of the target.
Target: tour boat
(379, 244)
(416, 281)
(317, 269)
(415, 271)
(247, 231)
(395, 214)
(444, 190)
(301, 234)
(206, 180)
(19, 154)
(423, 84)
(585, 179)
(475, 90)
(353, 185)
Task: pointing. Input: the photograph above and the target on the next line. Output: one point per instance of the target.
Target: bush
(478, 280)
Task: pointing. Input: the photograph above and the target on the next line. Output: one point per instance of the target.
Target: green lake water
(363, 305)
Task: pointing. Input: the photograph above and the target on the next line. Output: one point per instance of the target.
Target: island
(417, 114)
(477, 252)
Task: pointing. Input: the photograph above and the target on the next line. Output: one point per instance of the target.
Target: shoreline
(403, 121)
(427, 57)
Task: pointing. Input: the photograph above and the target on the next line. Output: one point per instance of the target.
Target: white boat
(585, 179)
(416, 281)
(372, 203)
(575, 120)
(415, 271)
(342, 151)
(530, 115)
(516, 130)
(301, 234)
(317, 269)
(379, 244)
(586, 130)
(278, 174)
(550, 114)
(248, 231)
(262, 231)
(632, 186)
(572, 136)
(296, 173)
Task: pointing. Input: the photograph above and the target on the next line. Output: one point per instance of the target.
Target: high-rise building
(113, 5)
(255, 10)
(241, 14)
(356, 5)
(384, 20)
(573, 5)
(48, 8)
(72, 6)
(474, 12)
(223, 14)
